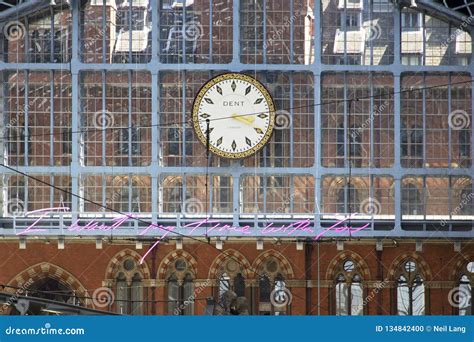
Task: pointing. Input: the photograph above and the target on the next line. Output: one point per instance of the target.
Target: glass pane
(403, 300)
(122, 297)
(173, 297)
(239, 285)
(465, 299)
(349, 266)
(410, 266)
(224, 284)
(136, 292)
(418, 300)
(188, 297)
(265, 289)
(341, 299)
(357, 299)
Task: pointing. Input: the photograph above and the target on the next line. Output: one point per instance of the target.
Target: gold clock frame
(224, 77)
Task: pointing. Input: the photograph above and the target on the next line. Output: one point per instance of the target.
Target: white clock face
(240, 114)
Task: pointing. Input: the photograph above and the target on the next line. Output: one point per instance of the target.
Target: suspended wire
(69, 294)
(188, 123)
(133, 218)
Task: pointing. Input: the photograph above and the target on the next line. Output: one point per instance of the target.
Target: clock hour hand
(247, 119)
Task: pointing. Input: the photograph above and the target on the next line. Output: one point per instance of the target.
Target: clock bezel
(199, 98)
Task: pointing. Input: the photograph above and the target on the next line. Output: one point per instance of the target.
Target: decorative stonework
(117, 260)
(283, 264)
(173, 256)
(346, 255)
(459, 266)
(440, 284)
(421, 263)
(222, 258)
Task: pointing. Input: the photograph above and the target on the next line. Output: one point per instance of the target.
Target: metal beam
(23, 9)
(436, 10)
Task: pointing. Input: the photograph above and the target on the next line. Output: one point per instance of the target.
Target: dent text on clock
(232, 103)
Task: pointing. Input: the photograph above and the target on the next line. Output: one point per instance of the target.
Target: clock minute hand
(248, 120)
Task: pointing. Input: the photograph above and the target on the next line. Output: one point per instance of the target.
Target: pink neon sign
(301, 226)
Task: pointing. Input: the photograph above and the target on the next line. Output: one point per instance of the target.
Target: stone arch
(420, 261)
(45, 269)
(340, 258)
(226, 255)
(285, 265)
(120, 257)
(338, 182)
(172, 256)
(461, 262)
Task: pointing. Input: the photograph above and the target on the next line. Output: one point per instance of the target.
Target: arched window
(128, 283)
(412, 201)
(410, 290)
(464, 291)
(180, 289)
(126, 195)
(239, 285)
(231, 278)
(265, 289)
(50, 288)
(273, 294)
(46, 288)
(349, 290)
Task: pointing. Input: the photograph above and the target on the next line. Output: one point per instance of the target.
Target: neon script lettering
(207, 225)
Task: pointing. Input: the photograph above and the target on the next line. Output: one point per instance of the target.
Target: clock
(240, 114)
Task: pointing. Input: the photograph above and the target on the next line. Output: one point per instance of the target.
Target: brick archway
(283, 262)
(45, 269)
(226, 255)
(341, 257)
(172, 256)
(120, 257)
